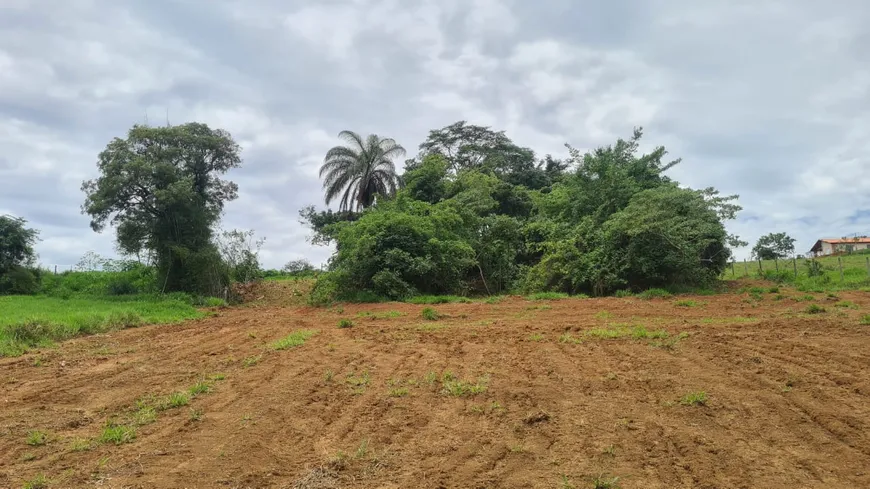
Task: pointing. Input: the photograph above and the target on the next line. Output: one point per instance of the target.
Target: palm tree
(363, 170)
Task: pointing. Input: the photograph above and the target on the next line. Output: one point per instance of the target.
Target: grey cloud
(765, 99)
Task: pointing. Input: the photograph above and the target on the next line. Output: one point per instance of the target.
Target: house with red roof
(830, 246)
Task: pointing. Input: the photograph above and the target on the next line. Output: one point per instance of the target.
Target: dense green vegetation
(479, 214)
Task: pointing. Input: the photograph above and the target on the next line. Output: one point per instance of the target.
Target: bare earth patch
(485, 396)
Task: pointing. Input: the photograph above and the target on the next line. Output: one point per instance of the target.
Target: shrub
(623, 293)
(814, 309)
(325, 290)
(430, 314)
(400, 248)
(121, 285)
(19, 281)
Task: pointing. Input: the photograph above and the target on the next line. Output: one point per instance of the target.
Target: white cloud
(769, 100)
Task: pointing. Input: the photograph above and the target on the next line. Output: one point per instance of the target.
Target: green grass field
(855, 272)
(32, 321)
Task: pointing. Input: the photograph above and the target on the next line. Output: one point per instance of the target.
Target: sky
(767, 99)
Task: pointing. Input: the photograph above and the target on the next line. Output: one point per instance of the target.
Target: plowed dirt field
(711, 392)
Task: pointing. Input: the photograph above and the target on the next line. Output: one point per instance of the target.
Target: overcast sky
(767, 99)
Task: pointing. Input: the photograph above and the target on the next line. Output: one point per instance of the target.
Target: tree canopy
(773, 246)
(16, 254)
(361, 171)
(16, 243)
(161, 188)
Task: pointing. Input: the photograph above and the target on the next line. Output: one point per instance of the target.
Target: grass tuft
(459, 388)
(294, 339)
(174, 400)
(117, 434)
(80, 445)
(430, 314)
(37, 438)
(604, 482)
(815, 309)
(201, 387)
(698, 398)
(38, 482)
(345, 323)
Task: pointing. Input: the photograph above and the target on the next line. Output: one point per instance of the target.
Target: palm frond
(360, 171)
(352, 138)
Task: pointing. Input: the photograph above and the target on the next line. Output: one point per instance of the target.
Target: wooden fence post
(745, 268)
(776, 264)
(735, 276)
(840, 262)
(760, 270)
(868, 265)
(794, 262)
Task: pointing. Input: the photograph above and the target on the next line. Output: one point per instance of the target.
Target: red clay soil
(367, 407)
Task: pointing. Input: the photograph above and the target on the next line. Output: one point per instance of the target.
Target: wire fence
(852, 268)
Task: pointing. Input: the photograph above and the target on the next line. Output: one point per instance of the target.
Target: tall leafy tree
(360, 171)
(161, 188)
(773, 246)
(16, 254)
(469, 147)
(16, 243)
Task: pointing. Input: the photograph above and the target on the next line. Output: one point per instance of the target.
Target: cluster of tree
(474, 212)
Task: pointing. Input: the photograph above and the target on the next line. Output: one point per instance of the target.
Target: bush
(623, 293)
(121, 285)
(19, 281)
(324, 291)
(399, 249)
(430, 314)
